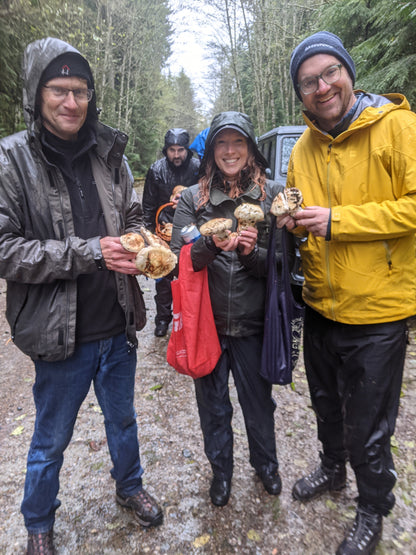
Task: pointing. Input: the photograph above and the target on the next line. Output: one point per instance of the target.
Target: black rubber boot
(220, 491)
(319, 481)
(365, 534)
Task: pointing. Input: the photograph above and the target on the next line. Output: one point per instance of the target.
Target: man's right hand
(117, 258)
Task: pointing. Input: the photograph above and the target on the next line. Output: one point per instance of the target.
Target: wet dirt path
(178, 475)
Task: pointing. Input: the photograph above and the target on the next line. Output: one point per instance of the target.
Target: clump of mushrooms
(248, 215)
(288, 201)
(153, 256)
(218, 227)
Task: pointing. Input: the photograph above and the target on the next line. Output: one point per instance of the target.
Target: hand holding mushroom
(176, 195)
(153, 258)
(248, 215)
(285, 205)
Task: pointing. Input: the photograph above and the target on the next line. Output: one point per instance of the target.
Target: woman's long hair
(210, 176)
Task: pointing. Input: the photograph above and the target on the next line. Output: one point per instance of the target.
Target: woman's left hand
(247, 240)
(229, 244)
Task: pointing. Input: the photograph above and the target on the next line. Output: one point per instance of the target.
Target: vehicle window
(268, 149)
(287, 145)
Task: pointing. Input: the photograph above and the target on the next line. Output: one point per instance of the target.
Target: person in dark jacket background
(73, 301)
(233, 172)
(178, 167)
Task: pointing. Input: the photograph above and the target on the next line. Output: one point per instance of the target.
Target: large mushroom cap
(288, 201)
(216, 226)
(248, 215)
(279, 205)
(294, 199)
(132, 242)
(156, 261)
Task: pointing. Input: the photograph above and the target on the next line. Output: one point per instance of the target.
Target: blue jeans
(59, 390)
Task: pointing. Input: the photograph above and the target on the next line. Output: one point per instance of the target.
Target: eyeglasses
(80, 95)
(329, 76)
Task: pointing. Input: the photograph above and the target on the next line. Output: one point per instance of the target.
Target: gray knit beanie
(322, 42)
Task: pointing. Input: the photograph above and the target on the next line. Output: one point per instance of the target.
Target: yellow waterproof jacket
(366, 272)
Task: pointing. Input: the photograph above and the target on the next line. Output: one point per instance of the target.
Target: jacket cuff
(209, 243)
(95, 246)
(249, 260)
(328, 229)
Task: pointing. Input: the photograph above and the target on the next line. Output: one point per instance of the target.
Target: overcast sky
(188, 49)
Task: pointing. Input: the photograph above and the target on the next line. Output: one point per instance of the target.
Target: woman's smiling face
(230, 152)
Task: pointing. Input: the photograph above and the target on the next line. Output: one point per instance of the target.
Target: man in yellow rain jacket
(356, 168)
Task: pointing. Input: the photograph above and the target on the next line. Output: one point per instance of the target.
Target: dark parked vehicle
(276, 146)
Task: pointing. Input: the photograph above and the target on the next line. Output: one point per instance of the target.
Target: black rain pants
(355, 375)
(163, 300)
(241, 355)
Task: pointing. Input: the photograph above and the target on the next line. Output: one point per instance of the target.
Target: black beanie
(69, 64)
(322, 42)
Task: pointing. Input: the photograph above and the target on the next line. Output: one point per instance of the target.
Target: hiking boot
(146, 510)
(320, 480)
(365, 534)
(40, 544)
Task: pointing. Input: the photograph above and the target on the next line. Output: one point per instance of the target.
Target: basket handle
(160, 233)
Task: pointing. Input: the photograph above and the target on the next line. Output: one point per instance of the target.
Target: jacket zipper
(328, 192)
(68, 303)
(230, 293)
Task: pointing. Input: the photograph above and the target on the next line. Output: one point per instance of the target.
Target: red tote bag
(194, 348)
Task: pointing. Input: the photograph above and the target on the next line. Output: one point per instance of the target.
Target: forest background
(128, 44)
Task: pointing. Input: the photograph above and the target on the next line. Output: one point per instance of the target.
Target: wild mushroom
(153, 256)
(248, 215)
(288, 201)
(132, 242)
(151, 239)
(175, 192)
(155, 261)
(218, 227)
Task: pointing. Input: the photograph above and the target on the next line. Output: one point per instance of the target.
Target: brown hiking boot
(146, 510)
(40, 544)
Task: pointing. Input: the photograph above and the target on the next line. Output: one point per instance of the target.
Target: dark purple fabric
(283, 318)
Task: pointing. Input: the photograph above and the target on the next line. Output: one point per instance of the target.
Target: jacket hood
(240, 122)
(176, 136)
(36, 58)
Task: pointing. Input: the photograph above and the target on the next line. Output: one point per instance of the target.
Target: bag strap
(271, 255)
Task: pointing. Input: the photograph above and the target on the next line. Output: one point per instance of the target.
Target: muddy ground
(178, 475)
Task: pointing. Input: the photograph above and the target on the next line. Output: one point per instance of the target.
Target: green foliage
(381, 37)
(127, 43)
